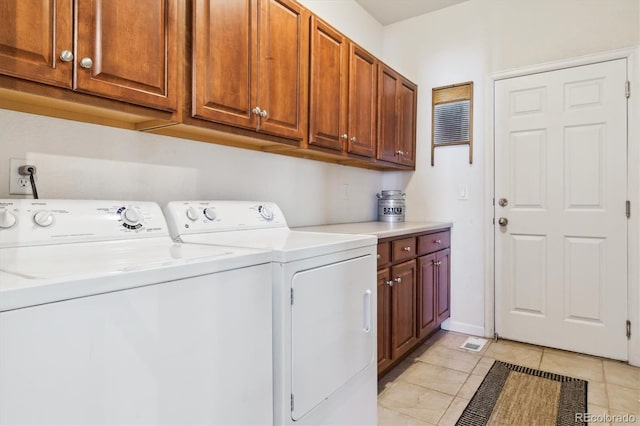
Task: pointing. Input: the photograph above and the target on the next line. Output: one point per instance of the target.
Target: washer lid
(42, 274)
(287, 245)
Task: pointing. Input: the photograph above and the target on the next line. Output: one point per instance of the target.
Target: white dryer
(324, 307)
(105, 320)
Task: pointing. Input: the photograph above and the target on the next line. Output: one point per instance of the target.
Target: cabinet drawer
(384, 254)
(433, 242)
(404, 249)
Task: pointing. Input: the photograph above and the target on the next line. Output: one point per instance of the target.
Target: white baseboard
(462, 327)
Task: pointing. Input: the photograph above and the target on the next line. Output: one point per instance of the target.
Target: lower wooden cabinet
(413, 292)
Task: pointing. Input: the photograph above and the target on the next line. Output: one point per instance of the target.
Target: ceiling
(387, 12)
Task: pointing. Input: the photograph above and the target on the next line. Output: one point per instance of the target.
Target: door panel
(329, 85)
(403, 312)
(140, 70)
(443, 272)
(407, 123)
(387, 114)
(362, 102)
(32, 36)
(384, 319)
(224, 60)
(283, 64)
(426, 292)
(560, 156)
(331, 330)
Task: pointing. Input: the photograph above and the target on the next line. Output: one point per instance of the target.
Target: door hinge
(292, 297)
(292, 403)
(628, 329)
(628, 208)
(493, 201)
(627, 89)
(493, 221)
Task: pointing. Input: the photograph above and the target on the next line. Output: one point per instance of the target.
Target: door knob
(503, 202)
(503, 221)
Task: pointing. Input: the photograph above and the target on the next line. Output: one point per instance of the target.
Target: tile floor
(435, 383)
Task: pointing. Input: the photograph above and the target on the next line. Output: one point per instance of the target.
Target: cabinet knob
(378, 256)
(353, 139)
(86, 63)
(390, 283)
(263, 113)
(257, 111)
(66, 56)
(438, 263)
(400, 152)
(398, 280)
(407, 249)
(344, 136)
(437, 241)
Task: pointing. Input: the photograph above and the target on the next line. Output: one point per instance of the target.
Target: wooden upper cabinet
(250, 64)
(224, 56)
(127, 50)
(363, 70)
(397, 101)
(283, 57)
(329, 83)
(33, 34)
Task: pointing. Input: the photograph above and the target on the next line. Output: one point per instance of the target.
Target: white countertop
(379, 229)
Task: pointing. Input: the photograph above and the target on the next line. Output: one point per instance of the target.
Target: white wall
(77, 160)
(471, 41)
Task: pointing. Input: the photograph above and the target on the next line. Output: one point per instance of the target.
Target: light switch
(463, 192)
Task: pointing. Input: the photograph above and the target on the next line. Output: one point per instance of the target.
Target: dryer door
(333, 329)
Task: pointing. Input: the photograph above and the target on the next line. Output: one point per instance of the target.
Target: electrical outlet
(19, 184)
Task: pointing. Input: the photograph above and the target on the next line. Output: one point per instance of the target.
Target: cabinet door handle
(407, 249)
(438, 263)
(344, 136)
(398, 280)
(390, 283)
(66, 56)
(400, 152)
(437, 241)
(86, 63)
(257, 111)
(263, 113)
(366, 327)
(378, 256)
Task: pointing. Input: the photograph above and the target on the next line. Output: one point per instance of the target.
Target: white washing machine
(105, 320)
(324, 308)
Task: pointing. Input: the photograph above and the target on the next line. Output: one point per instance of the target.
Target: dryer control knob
(7, 219)
(192, 214)
(265, 212)
(43, 218)
(210, 213)
(131, 215)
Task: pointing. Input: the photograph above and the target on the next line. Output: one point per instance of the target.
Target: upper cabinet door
(33, 34)
(224, 56)
(126, 50)
(329, 87)
(283, 57)
(362, 102)
(387, 114)
(407, 101)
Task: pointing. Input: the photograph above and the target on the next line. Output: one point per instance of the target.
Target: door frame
(633, 184)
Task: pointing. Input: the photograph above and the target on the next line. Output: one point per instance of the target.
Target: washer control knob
(192, 214)
(210, 213)
(131, 215)
(265, 212)
(43, 218)
(7, 219)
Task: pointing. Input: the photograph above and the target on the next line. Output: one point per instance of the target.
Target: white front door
(561, 185)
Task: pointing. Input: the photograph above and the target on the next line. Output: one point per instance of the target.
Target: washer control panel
(192, 217)
(25, 222)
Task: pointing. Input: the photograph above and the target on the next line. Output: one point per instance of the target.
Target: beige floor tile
(624, 418)
(450, 358)
(597, 415)
(453, 413)
(387, 417)
(452, 340)
(619, 373)
(483, 366)
(623, 399)
(574, 366)
(393, 375)
(423, 404)
(470, 386)
(597, 394)
(434, 377)
(515, 353)
(569, 353)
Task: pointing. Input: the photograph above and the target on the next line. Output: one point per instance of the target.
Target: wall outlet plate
(18, 184)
